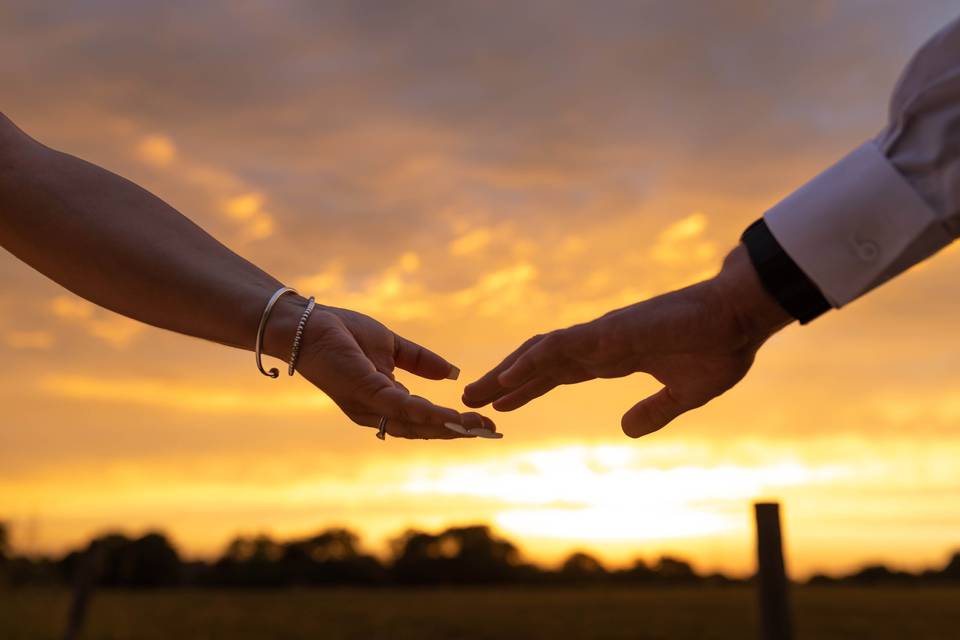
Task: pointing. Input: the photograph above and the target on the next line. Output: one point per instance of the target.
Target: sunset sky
(471, 174)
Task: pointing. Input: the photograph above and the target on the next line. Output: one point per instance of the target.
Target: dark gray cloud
(320, 103)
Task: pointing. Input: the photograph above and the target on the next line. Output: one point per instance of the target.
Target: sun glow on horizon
(615, 500)
(614, 492)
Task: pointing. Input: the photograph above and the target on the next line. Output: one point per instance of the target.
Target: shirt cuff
(781, 277)
(847, 228)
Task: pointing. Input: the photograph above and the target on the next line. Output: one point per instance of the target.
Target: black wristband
(781, 276)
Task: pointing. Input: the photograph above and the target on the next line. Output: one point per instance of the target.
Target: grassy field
(822, 614)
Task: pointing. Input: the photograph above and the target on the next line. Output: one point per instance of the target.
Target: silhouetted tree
(458, 555)
(260, 548)
(249, 562)
(952, 570)
(879, 574)
(582, 568)
(146, 562)
(671, 569)
(116, 563)
(331, 557)
(153, 562)
(638, 572)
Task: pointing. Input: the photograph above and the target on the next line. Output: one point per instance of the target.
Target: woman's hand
(698, 342)
(351, 357)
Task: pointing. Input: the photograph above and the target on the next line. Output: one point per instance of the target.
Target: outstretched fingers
(489, 388)
(541, 360)
(408, 430)
(527, 392)
(470, 425)
(414, 417)
(410, 356)
(398, 404)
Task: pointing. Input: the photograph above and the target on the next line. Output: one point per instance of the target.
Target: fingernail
(459, 428)
(485, 433)
(454, 373)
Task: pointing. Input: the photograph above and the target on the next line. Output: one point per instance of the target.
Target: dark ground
(822, 613)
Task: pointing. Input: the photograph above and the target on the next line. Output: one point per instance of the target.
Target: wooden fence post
(772, 585)
(88, 573)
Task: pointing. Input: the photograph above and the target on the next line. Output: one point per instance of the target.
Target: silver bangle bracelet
(258, 351)
(295, 352)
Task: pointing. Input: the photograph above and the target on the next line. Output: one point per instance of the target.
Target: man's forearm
(117, 245)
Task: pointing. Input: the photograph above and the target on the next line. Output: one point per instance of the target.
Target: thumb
(652, 414)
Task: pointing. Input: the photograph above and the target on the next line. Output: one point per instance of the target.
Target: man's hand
(351, 357)
(698, 342)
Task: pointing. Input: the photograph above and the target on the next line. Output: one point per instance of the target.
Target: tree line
(470, 555)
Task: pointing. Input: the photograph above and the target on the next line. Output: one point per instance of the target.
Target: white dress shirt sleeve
(893, 201)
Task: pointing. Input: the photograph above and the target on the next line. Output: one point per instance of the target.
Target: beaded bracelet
(295, 352)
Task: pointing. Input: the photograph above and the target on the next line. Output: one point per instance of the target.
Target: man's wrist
(781, 276)
(738, 286)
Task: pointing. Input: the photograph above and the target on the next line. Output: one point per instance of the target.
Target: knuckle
(556, 338)
(553, 344)
(532, 341)
(549, 343)
(408, 409)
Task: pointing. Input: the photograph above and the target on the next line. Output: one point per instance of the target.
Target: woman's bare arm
(119, 246)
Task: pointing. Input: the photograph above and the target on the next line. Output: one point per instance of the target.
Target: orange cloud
(240, 204)
(683, 243)
(248, 210)
(114, 329)
(168, 394)
(471, 242)
(157, 150)
(40, 340)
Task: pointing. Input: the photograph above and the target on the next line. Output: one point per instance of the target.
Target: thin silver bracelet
(295, 352)
(258, 351)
